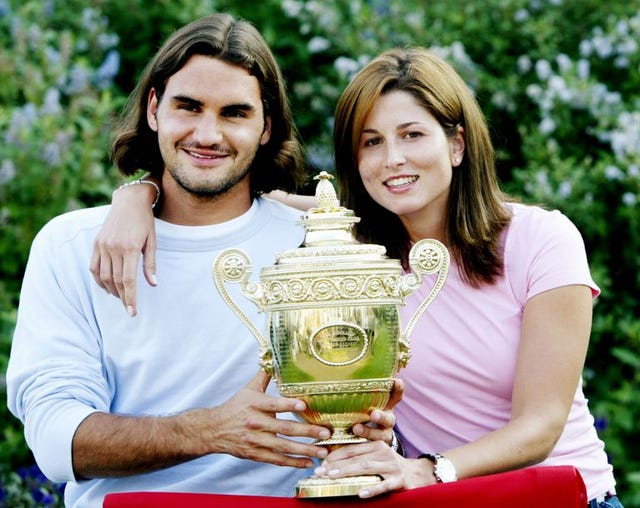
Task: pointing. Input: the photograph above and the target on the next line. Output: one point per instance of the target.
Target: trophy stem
(341, 436)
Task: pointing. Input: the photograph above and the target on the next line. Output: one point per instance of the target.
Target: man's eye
(236, 114)
(188, 107)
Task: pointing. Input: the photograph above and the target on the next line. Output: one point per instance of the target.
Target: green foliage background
(558, 79)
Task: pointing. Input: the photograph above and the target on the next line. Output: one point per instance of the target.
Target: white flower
(524, 64)
(534, 92)
(621, 62)
(583, 68)
(586, 48)
(622, 28)
(345, 66)
(613, 173)
(603, 46)
(564, 62)
(291, 8)
(543, 70)
(565, 189)
(558, 85)
(628, 47)
(318, 44)
(7, 171)
(629, 198)
(547, 125)
(521, 15)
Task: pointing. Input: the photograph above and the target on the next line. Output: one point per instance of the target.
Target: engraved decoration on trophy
(333, 336)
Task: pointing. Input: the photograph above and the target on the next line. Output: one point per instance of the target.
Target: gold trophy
(334, 337)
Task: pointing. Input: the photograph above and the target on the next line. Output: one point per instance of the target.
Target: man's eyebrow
(185, 99)
(241, 106)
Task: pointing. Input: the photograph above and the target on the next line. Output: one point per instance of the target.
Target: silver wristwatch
(443, 468)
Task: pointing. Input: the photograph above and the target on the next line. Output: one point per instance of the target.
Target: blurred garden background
(558, 79)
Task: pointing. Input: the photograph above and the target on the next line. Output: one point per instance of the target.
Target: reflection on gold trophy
(334, 337)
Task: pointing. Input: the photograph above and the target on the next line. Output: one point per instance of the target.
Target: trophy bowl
(334, 338)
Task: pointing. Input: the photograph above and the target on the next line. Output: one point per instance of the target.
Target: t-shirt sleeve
(544, 251)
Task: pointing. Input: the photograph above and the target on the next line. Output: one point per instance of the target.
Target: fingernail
(130, 310)
(324, 434)
(154, 279)
(300, 406)
(364, 493)
(334, 472)
(322, 453)
(320, 471)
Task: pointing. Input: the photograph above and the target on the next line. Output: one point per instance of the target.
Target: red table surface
(551, 487)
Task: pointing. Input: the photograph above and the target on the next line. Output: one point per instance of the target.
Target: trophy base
(325, 487)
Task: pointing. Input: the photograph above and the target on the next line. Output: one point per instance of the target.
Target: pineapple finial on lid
(325, 193)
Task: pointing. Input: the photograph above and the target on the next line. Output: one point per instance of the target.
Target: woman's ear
(152, 110)
(457, 145)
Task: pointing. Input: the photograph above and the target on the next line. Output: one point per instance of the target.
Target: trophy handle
(233, 266)
(426, 256)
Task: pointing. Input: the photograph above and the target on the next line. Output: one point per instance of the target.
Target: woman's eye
(413, 134)
(372, 142)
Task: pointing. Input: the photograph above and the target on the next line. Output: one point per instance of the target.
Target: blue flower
(42, 497)
(4, 10)
(108, 70)
(601, 423)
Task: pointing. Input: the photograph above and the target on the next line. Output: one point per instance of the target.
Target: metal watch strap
(396, 444)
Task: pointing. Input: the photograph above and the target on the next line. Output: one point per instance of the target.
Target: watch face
(444, 470)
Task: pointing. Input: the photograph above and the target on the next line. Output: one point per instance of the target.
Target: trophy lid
(329, 232)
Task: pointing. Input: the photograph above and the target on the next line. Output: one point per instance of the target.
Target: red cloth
(550, 486)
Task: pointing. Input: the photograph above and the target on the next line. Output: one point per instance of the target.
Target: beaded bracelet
(139, 181)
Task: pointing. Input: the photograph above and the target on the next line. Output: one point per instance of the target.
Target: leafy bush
(55, 104)
(558, 79)
(28, 487)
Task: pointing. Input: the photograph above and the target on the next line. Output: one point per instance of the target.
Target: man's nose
(208, 130)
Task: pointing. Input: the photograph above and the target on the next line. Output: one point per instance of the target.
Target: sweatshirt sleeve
(55, 377)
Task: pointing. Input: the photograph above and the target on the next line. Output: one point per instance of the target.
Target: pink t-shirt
(459, 380)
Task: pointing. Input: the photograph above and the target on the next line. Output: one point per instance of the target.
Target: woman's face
(405, 161)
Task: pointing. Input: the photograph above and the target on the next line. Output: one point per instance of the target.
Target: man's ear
(152, 110)
(266, 132)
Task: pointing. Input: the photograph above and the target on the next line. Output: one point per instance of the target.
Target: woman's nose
(393, 156)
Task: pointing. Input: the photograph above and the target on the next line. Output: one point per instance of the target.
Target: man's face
(210, 124)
